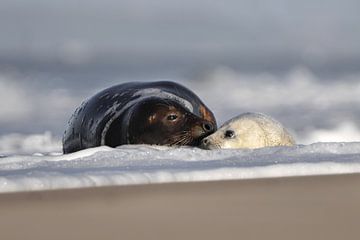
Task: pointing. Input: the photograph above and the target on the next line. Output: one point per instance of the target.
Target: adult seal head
(249, 130)
(162, 113)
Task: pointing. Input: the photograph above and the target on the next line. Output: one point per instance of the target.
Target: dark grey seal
(161, 113)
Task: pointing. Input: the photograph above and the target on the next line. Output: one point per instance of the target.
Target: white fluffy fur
(252, 130)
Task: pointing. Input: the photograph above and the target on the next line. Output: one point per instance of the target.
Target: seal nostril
(205, 141)
(208, 127)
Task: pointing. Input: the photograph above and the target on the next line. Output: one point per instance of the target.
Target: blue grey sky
(53, 54)
(185, 36)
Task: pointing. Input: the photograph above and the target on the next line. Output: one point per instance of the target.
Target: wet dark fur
(120, 115)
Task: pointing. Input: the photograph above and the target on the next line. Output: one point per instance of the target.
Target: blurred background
(298, 61)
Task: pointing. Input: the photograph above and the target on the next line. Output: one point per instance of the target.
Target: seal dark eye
(229, 134)
(172, 117)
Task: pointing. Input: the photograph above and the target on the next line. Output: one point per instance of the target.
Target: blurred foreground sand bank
(316, 207)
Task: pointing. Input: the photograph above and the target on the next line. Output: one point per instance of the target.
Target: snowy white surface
(141, 164)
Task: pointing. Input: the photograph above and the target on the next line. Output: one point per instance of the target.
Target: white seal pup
(249, 130)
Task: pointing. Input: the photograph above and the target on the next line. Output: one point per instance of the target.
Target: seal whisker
(217, 145)
(187, 140)
(183, 133)
(182, 139)
(179, 140)
(177, 137)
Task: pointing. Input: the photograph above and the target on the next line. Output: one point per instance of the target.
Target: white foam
(299, 86)
(29, 144)
(141, 164)
(344, 132)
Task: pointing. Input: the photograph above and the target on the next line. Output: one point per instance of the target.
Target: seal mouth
(207, 144)
(192, 136)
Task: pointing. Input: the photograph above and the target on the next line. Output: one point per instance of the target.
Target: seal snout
(206, 143)
(202, 129)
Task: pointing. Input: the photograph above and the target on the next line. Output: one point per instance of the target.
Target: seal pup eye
(172, 117)
(229, 134)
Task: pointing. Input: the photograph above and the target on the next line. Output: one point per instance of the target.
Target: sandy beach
(318, 207)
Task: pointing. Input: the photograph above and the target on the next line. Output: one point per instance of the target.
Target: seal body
(249, 130)
(162, 113)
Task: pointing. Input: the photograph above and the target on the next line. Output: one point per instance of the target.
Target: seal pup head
(249, 130)
(166, 122)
